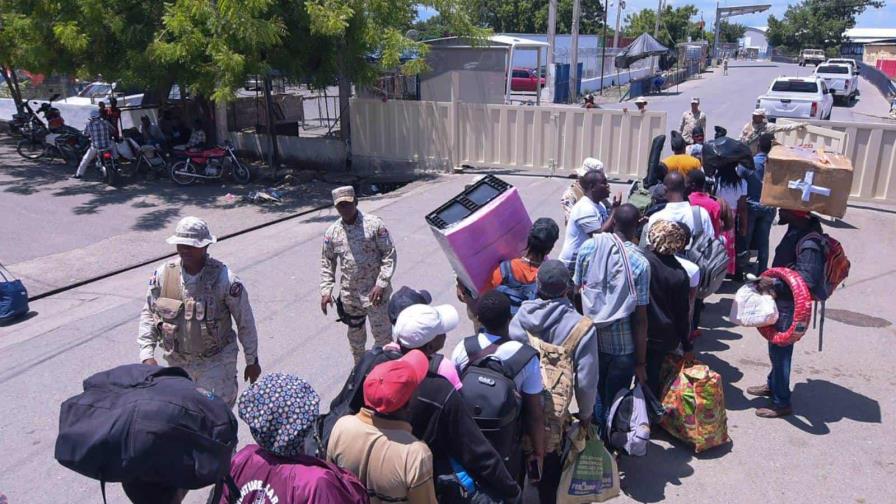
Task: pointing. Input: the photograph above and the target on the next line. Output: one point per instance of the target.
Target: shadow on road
(27, 178)
(645, 479)
(818, 403)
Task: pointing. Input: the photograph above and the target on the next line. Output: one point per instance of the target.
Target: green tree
(731, 32)
(816, 24)
(531, 16)
(211, 46)
(675, 24)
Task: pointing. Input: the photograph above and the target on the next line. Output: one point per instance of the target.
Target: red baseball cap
(390, 385)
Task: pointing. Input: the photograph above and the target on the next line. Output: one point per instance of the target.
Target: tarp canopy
(643, 47)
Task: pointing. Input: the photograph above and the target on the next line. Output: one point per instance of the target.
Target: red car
(525, 79)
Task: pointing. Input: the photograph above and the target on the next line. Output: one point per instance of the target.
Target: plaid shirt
(100, 133)
(616, 339)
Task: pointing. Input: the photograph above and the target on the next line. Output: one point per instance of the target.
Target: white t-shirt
(681, 212)
(692, 269)
(528, 381)
(731, 194)
(585, 219)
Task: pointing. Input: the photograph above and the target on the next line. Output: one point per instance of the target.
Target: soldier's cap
(392, 384)
(278, 409)
(695, 100)
(759, 112)
(641, 99)
(192, 231)
(590, 164)
(419, 324)
(404, 297)
(343, 194)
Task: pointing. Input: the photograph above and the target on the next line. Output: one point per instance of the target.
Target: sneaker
(774, 412)
(760, 390)
(75, 177)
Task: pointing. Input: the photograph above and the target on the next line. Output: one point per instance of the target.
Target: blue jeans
(759, 225)
(779, 376)
(615, 374)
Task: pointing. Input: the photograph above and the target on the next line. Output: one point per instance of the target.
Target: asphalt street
(730, 100)
(837, 448)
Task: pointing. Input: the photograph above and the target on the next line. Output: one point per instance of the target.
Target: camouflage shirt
(689, 121)
(751, 132)
(365, 253)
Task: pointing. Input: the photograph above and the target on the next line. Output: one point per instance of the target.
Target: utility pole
(656, 26)
(603, 49)
(574, 51)
(715, 38)
(619, 6)
(552, 39)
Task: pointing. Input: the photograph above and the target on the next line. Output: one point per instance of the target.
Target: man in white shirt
(588, 216)
(678, 208)
(493, 312)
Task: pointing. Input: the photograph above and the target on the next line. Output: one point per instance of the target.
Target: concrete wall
(874, 52)
(437, 136)
(311, 152)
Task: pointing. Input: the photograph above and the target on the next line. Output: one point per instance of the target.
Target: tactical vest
(191, 327)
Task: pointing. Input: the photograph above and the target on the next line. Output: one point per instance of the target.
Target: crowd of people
(103, 133)
(556, 340)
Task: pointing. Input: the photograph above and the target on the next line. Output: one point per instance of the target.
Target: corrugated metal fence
(870, 146)
(441, 135)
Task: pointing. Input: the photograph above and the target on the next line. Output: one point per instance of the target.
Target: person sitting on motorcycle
(197, 138)
(151, 133)
(99, 131)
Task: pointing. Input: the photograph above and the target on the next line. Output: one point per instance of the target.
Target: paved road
(837, 448)
(729, 100)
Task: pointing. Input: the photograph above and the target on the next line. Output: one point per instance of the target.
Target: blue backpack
(13, 297)
(514, 289)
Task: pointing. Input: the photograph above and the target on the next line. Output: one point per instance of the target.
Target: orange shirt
(523, 271)
(682, 163)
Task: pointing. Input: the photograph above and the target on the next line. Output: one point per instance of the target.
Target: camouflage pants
(377, 317)
(217, 374)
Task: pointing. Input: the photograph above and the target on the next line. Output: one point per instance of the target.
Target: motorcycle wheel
(111, 175)
(30, 149)
(182, 166)
(240, 173)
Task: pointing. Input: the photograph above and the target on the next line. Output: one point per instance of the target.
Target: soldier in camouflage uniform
(188, 311)
(361, 243)
(691, 119)
(760, 126)
(574, 193)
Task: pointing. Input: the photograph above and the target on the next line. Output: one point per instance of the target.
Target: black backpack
(490, 392)
(147, 423)
(351, 398)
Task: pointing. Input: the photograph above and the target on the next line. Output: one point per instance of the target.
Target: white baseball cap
(590, 164)
(419, 324)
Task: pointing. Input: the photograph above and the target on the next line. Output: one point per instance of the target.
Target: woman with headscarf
(668, 314)
(279, 410)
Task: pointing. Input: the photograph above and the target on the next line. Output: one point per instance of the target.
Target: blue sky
(884, 17)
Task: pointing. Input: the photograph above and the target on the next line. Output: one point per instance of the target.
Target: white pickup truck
(840, 79)
(798, 98)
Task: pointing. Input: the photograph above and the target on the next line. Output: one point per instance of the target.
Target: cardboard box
(478, 243)
(802, 178)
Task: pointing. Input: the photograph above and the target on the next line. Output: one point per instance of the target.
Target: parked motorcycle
(49, 137)
(209, 164)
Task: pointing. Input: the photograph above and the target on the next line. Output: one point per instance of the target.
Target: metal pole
(656, 31)
(618, 17)
(574, 51)
(715, 38)
(603, 50)
(552, 36)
